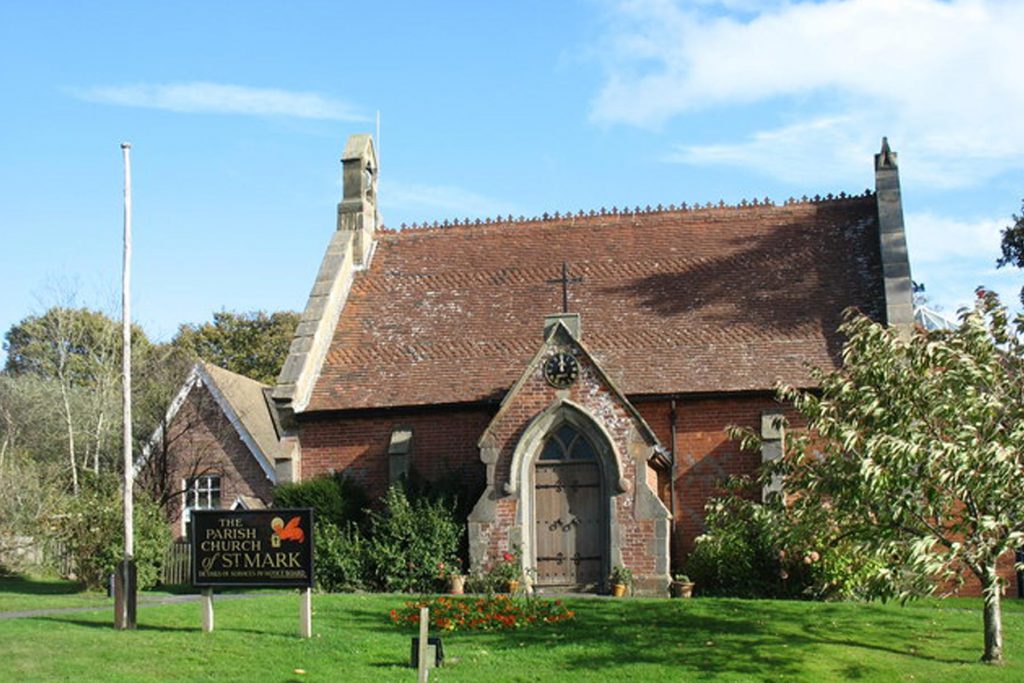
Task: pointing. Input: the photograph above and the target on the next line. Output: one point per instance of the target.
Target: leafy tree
(76, 344)
(914, 452)
(1013, 245)
(78, 350)
(251, 344)
(91, 528)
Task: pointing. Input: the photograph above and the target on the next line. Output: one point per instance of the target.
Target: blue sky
(238, 112)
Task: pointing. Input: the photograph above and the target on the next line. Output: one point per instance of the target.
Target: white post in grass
(306, 612)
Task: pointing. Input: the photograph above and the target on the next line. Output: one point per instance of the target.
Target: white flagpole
(125, 599)
(126, 356)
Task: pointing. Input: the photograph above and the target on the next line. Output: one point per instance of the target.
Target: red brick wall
(446, 441)
(443, 443)
(202, 442)
(705, 456)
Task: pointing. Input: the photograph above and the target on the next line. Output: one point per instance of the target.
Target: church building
(577, 371)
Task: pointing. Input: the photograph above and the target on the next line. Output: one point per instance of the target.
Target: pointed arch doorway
(570, 504)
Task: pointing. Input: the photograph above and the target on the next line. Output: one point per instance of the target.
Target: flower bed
(493, 613)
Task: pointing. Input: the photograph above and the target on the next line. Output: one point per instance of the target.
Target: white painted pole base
(306, 613)
(207, 603)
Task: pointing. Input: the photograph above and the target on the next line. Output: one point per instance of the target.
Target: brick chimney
(357, 211)
(899, 306)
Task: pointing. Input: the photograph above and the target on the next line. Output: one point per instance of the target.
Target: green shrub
(752, 549)
(338, 565)
(739, 553)
(91, 529)
(334, 498)
(411, 543)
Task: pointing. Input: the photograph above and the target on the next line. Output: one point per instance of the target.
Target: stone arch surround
(637, 522)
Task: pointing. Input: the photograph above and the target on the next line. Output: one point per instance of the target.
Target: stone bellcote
(357, 211)
(899, 307)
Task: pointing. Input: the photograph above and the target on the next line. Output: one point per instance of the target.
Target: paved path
(145, 602)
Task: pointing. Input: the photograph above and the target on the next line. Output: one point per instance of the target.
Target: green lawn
(29, 592)
(621, 640)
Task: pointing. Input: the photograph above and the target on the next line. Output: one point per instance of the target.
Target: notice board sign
(271, 548)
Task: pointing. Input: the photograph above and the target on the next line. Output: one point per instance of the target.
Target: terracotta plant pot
(618, 589)
(511, 586)
(681, 589)
(457, 584)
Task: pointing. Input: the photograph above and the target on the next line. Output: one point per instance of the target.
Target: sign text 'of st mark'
(252, 548)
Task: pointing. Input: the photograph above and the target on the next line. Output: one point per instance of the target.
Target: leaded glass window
(567, 443)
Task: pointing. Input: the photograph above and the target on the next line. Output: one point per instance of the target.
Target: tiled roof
(247, 399)
(671, 301)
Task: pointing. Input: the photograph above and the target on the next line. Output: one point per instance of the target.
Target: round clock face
(561, 370)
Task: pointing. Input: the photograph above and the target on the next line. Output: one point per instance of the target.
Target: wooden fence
(177, 569)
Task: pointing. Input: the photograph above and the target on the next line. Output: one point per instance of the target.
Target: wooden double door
(571, 528)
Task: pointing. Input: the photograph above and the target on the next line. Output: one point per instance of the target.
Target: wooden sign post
(207, 610)
(306, 613)
(254, 548)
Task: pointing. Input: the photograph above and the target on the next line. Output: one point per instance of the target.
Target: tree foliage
(75, 355)
(335, 499)
(914, 453)
(1012, 245)
(251, 344)
(754, 549)
(79, 344)
(411, 542)
(90, 526)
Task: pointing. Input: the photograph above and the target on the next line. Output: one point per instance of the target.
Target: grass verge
(623, 640)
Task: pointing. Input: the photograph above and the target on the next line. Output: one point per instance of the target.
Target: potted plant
(453, 577)
(508, 571)
(681, 586)
(620, 579)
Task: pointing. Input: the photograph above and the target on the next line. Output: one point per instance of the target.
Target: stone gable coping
(899, 307)
(349, 251)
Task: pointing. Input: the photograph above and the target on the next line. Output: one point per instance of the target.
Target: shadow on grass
(29, 586)
(738, 638)
(108, 625)
(160, 628)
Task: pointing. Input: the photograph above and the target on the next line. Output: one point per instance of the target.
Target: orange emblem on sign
(287, 532)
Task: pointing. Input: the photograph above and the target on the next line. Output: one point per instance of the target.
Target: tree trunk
(993, 615)
(98, 443)
(71, 436)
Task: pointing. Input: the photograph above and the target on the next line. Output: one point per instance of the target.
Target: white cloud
(938, 239)
(439, 201)
(834, 143)
(222, 98)
(942, 73)
(953, 257)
